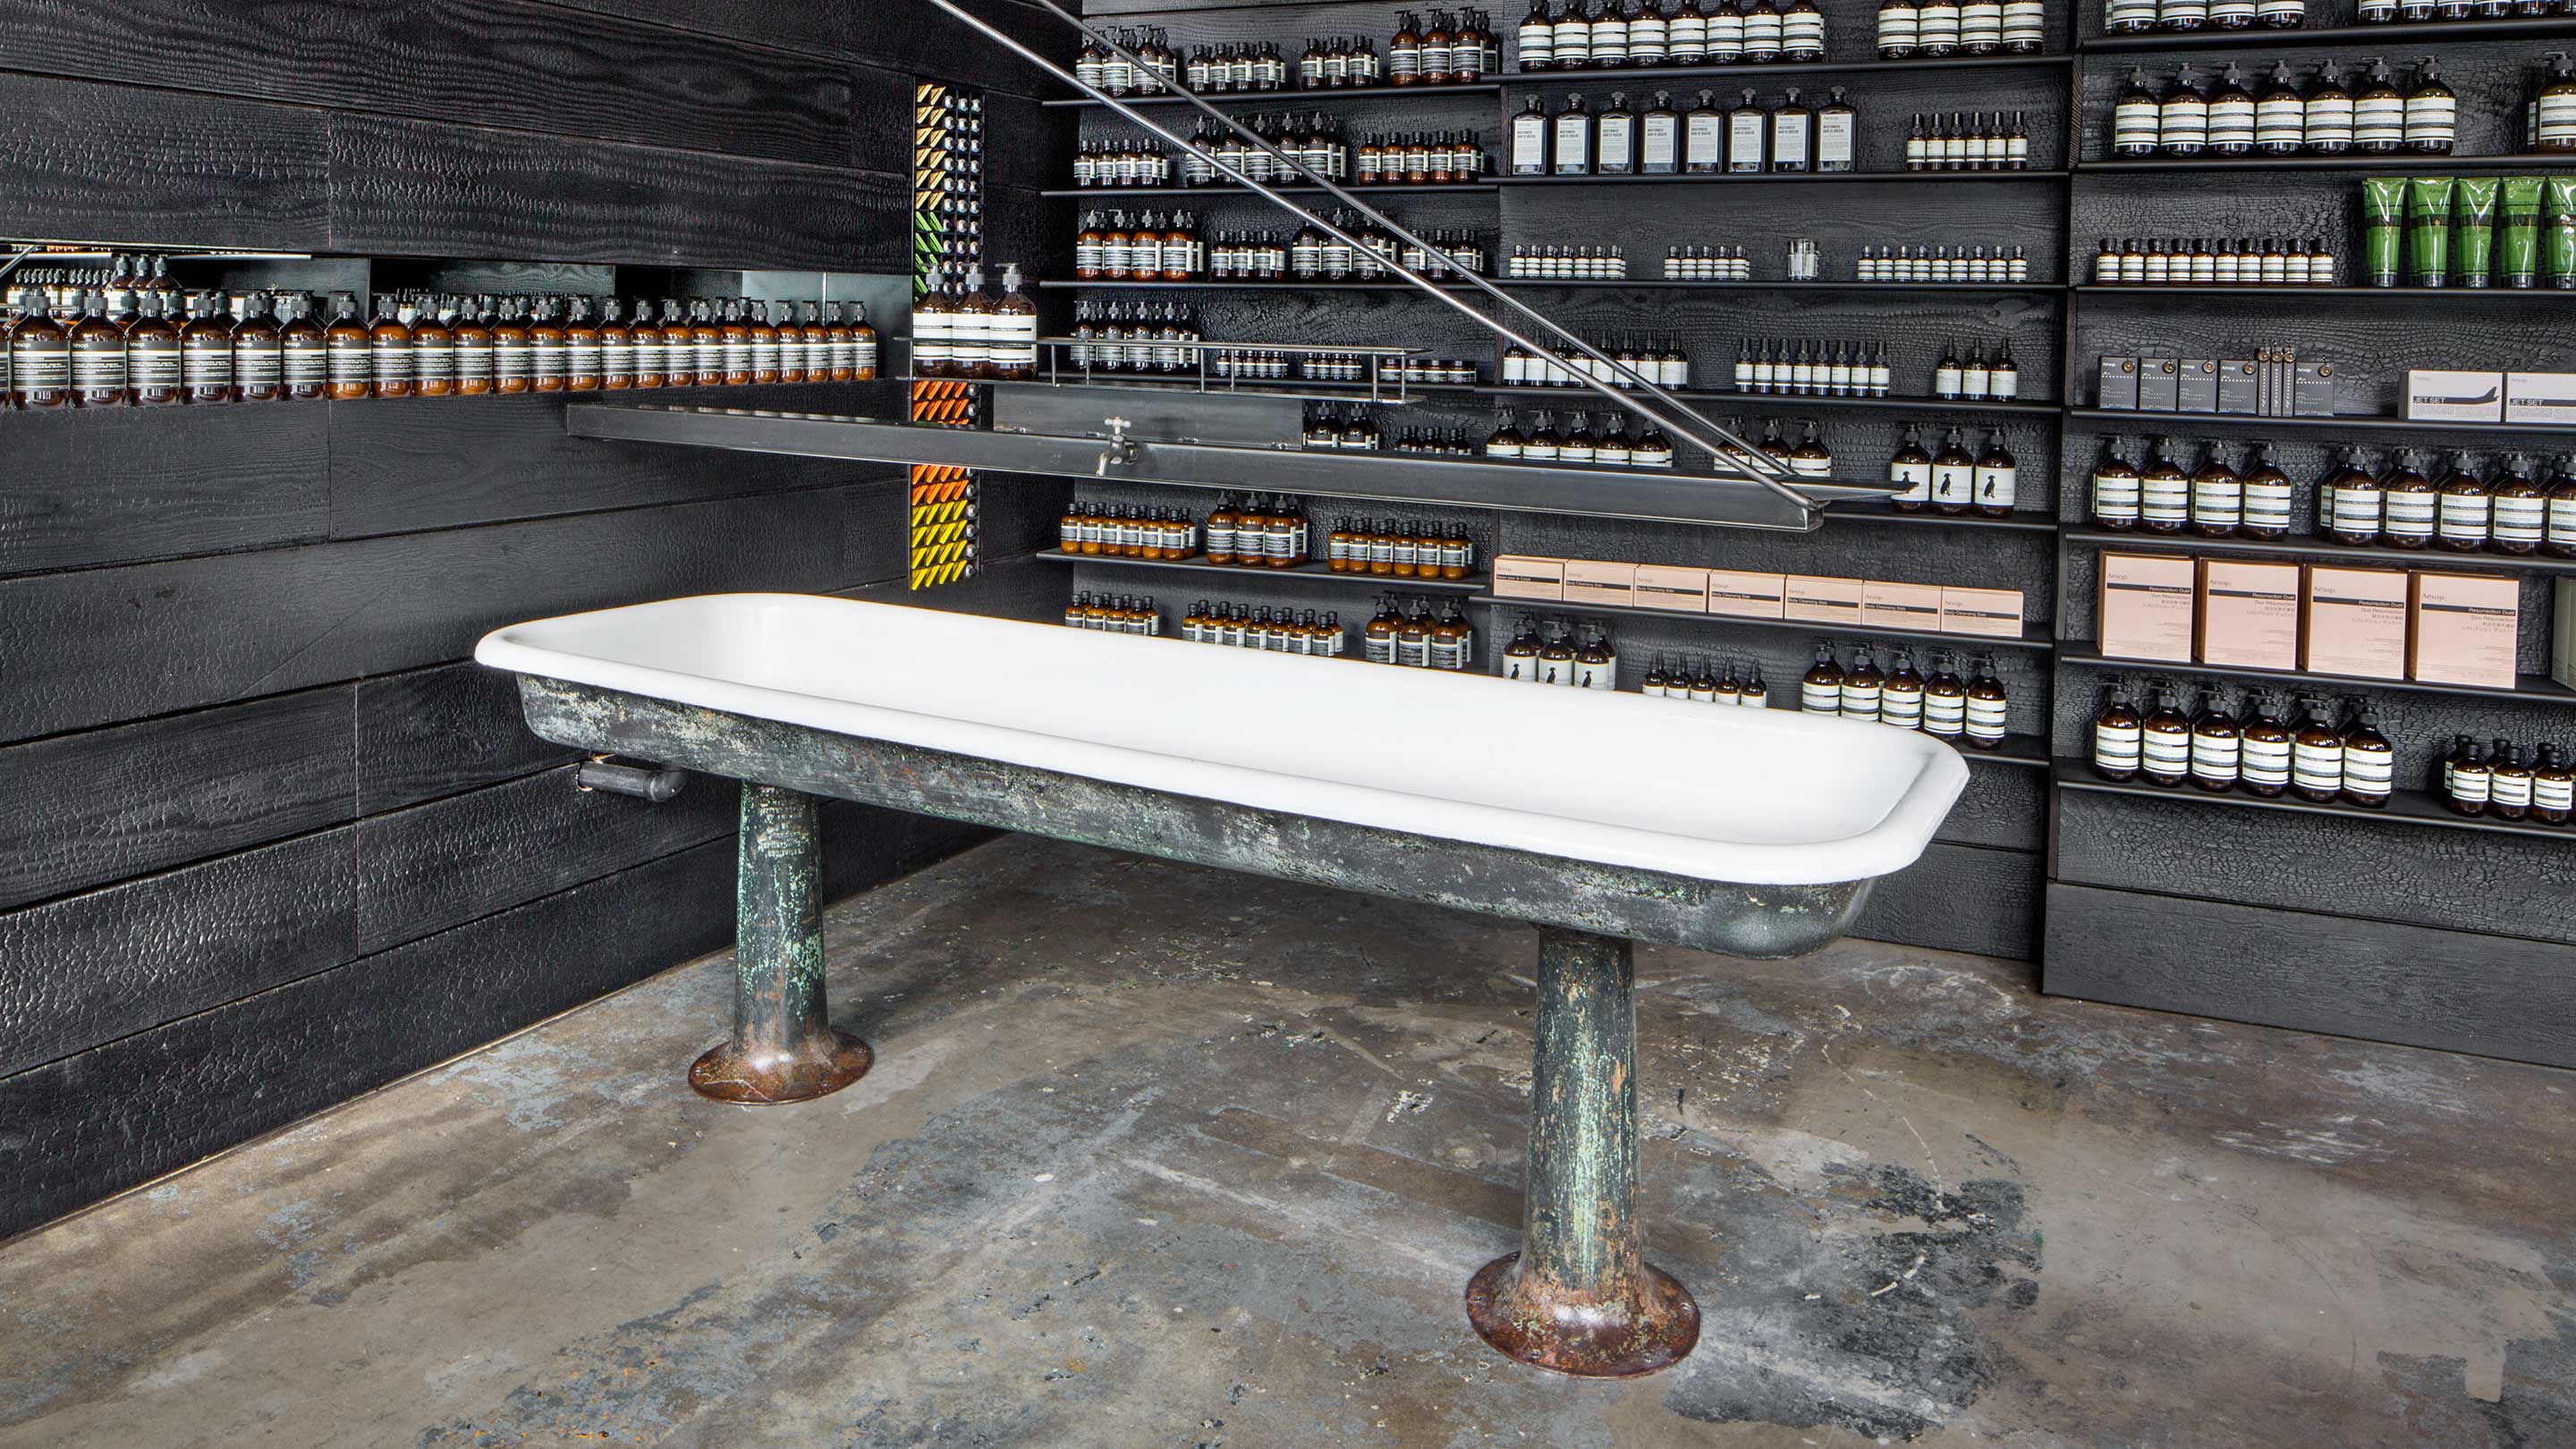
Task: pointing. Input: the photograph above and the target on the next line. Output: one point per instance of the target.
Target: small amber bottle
(709, 345)
(616, 347)
(549, 348)
(389, 359)
(433, 351)
(98, 357)
(733, 336)
(206, 353)
(652, 346)
(585, 350)
(514, 352)
(259, 359)
(765, 350)
(469, 346)
(152, 357)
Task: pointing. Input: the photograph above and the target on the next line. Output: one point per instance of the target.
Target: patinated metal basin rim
(1366, 782)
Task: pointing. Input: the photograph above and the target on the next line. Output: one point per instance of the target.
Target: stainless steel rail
(1720, 443)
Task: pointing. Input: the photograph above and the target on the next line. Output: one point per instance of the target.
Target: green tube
(2383, 213)
(2520, 258)
(2428, 229)
(2562, 231)
(2473, 231)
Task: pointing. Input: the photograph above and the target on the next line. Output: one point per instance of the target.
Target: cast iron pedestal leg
(1579, 1298)
(783, 1047)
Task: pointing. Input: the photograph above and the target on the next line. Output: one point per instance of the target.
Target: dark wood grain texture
(103, 805)
(113, 485)
(98, 645)
(1959, 898)
(907, 39)
(94, 967)
(509, 63)
(2340, 975)
(421, 187)
(430, 732)
(84, 161)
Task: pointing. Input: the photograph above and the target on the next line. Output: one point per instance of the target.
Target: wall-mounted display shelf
(2410, 807)
(1637, 75)
(1300, 188)
(2286, 292)
(1292, 100)
(2026, 521)
(2536, 687)
(2396, 36)
(1792, 400)
(1928, 289)
(1474, 583)
(1762, 178)
(2033, 636)
(2321, 548)
(2445, 165)
(1283, 283)
(2135, 421)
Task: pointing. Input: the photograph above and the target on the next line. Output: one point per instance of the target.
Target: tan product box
(1995, 613)
(2249, 614)
(1589, 581)
(2562, 634)
(2146, 606)
(2465, 629)
(1527, 576)
(1821, 600)
(1747, 596)
(1900, 606)
(1662, 586)
(2356, 622)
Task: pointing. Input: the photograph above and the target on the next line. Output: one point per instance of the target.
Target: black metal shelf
(1296, 99)
(2538, 687)
(2167, 422)
(1787, 400)
(1232, 192)
(2266, 39)
(1740, 71)
(2320, 548)
(1666, 284)
(2277, 290)
(2033, 635)
(2026, 522)
(1757, 178)
(2406, 807)
(1388, 394)
(1283, 284)
(2382, 162)
(1312, 572)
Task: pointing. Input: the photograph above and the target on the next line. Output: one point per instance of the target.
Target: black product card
(2313, 394)
(2197, 391)
(2237, 392)
(2159, 384)
(2118, 388)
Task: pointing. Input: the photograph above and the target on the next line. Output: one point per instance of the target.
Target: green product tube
(2473, 231)
(2519, 262)
(2428, 229)
(2562, 231)
(2383, 212)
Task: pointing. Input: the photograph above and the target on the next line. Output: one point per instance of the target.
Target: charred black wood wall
(270, 840)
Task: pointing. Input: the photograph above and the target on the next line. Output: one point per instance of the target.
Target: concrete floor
(1159, 1156)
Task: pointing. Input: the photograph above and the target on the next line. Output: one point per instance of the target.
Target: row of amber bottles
(1115, 531)
(2454, 507)
(120, 349)
(2260, 752)
(1115, 615)
(1261, 533)
(1555, 651)
(1285, 632)
(1699, 682)
(1404, 631)
(1941, 704)
(2507, 784)
(1390, 549)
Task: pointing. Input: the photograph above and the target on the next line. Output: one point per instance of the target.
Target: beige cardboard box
(2146, 606)
(1662, 586)
(2465, 629)
(1821, 600)
(1995, 613)
(2249, 613)
(1590, 581)
(1900, 606)
(2356, 622)
(1747, 596)
(1529, 576)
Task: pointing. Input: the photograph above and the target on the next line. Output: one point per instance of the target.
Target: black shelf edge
(2538, 687)
(1666, 284)
(1295, 99)
(1388, 394)
(2034, 407)
(1221, 193)
(1321, 573)
(2283, 289)
(2168, 422)
(1758, 178)
(2319, 548)
(2266, 39)
(1078, 285)
(2033, 635)
(2025, 522)
(2393, 161)
(1632, 74)
(2405, 807)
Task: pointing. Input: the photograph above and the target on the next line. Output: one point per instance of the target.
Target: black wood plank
(442, 864)
(140, 1106)
(911, 39)
(2004, 806)
(400, 466)
(426, 189)
(438, 731)
(1959, 898)
(2339, 975)
(91, 162)
(98, 645)
(89, 808)
(114, 485)
(91, 968)
(2505, 885)
(509, 63)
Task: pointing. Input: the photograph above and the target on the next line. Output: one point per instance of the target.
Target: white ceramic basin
(1761, 797)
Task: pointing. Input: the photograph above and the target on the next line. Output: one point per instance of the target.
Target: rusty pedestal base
(1653, 1326)
(765, 1076)
(1580, 1297)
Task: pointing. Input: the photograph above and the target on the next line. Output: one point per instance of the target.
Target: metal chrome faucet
(1120, 450)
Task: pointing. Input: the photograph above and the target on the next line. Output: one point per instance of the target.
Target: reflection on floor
(1161, 1156)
